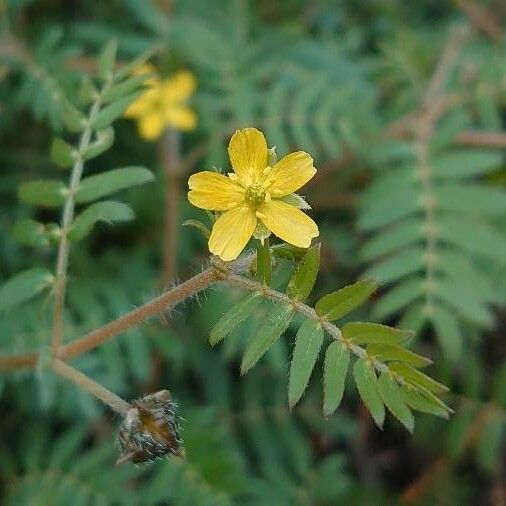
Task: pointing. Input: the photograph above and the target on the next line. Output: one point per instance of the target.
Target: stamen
(267, 197)
(233, 176)
(260, 215)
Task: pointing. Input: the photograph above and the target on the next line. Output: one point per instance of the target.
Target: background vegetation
(402, 106)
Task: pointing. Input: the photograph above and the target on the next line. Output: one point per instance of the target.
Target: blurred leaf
(62, 153)
(367, 385)
(234, 317)
(471, 199)
(302, 282)
(113, 111)
(107, 59)
(125, 87)
(101, 185)
(24, 286)
(44, 193)
(460, 164)
(30, 233)
(276, 323)
(108, 211)
(337, 361)
(74, 120)
(308, 342)
(104, 140)
(490, 446)
(448, 332)
(339, 303)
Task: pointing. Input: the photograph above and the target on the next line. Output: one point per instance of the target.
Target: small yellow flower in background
(253, 193)
(163, 104)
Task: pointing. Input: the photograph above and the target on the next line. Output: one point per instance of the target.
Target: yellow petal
(151, 125)
(213, 191)
(180, 117)
(248, 154)
(288, 223)
(290, 173)
(231, 232)
(142, 105)
(179, 86)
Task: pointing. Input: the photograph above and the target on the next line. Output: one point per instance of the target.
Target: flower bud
(150, 430)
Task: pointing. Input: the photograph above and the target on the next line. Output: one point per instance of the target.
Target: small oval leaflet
(339, 303)
(367, 385)
(302, 282)
(24, 286)
(276, 323)
(234, 317)
(44, 193)
(308, 342)
(337, 362)
(101, 185)
(391, 395)
(108, 211)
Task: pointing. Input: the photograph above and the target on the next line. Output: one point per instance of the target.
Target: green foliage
(308, 342)
(433, 219)
(24, 286)
(337, 361)
(333, 79)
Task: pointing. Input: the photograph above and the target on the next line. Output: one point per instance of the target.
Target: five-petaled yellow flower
(252, 193)
(163, 104)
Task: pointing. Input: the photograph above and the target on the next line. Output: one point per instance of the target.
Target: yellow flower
(253, 192)
(163, 104)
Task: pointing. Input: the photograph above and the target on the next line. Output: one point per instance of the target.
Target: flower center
(255, 195)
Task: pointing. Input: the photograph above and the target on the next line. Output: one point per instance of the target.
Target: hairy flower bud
(150, 430)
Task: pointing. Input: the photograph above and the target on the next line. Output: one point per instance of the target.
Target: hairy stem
(81, 380)
(307, 311)
(67, 218)
(158, 305)
(155, 306)
(9, 363)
